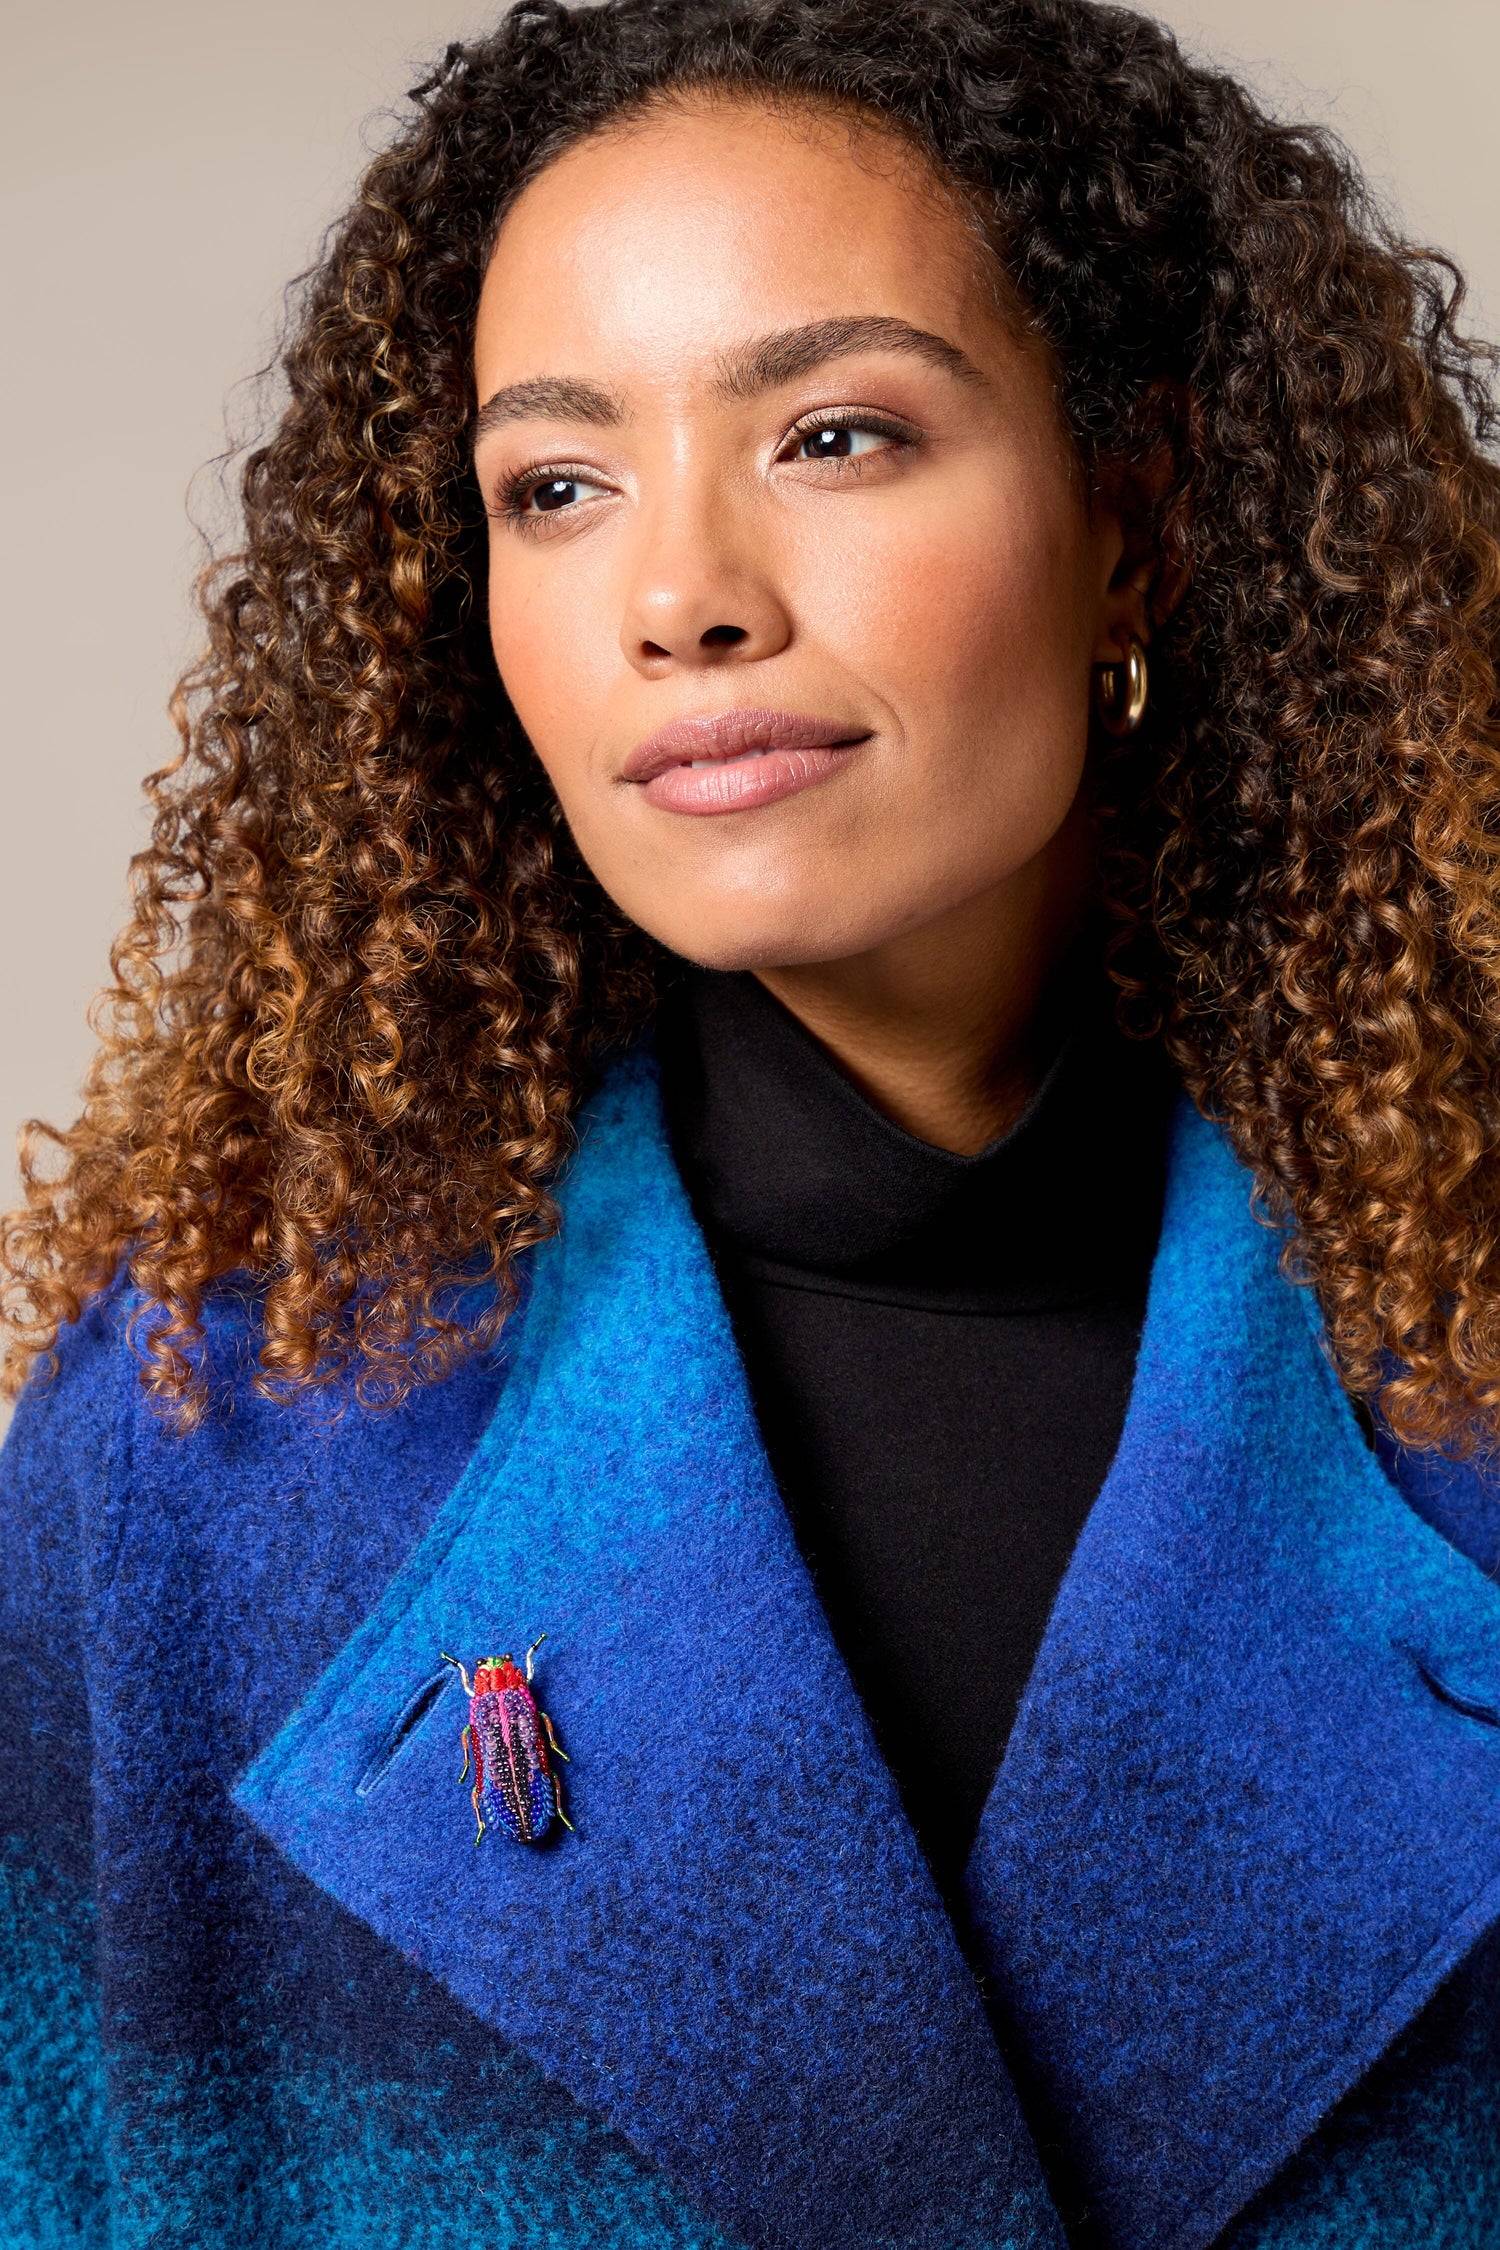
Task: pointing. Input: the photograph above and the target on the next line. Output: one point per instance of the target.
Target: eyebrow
(772, 360)
(745, 372)
(554, 398)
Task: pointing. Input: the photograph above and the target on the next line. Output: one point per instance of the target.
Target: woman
(860, 698)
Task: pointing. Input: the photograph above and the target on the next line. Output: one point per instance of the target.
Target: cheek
(555, 661)
(972, 616)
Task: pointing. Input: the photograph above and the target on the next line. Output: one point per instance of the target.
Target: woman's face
(792, 583)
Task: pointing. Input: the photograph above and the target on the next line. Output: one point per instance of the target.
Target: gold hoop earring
(1121, 690)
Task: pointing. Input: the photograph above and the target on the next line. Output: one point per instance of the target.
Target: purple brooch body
(507, 1739)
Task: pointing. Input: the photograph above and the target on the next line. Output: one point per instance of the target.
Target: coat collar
(740, 1960)
(1248, 1819)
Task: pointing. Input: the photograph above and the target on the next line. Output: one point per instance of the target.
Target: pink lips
(736, 760)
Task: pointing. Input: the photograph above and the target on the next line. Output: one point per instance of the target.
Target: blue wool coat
(1235, 1893)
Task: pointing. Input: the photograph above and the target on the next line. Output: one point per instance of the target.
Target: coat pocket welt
(417, 1709)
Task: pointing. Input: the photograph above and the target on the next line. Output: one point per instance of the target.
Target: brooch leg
(557, 1805)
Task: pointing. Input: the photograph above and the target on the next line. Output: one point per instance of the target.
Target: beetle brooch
(507, 1738)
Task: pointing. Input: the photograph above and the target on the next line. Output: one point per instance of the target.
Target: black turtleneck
(940, 1349)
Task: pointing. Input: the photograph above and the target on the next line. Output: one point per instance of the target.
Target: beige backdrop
(166, 167)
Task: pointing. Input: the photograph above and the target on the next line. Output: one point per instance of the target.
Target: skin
(941, 588)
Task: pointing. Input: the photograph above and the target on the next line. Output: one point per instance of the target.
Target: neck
(944, 1029)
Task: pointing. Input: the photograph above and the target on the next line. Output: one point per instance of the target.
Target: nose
(702, 591)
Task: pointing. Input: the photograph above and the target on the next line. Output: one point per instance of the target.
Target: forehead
(651, 246)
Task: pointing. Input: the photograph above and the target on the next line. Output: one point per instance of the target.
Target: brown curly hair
(367, 978)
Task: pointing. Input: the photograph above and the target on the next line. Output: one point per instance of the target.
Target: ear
(1138, 491)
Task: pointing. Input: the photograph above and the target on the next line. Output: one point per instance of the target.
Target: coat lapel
(1250, 1814)
(740, 1959)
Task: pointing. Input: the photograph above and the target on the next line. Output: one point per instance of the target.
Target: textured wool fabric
(198, 2048)
(1236, 1879)
(1249, 1817)
(741, 1959)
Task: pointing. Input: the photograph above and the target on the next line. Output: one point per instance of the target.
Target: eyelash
(515, 491)
(901, 435)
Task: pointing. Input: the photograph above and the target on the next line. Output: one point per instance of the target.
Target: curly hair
(367, 978)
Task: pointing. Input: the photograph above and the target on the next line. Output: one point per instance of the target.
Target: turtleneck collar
(792, 1168)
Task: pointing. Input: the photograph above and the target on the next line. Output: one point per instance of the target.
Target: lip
(733, 761)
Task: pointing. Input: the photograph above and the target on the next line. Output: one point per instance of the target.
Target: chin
(776, 932)
(728, 949)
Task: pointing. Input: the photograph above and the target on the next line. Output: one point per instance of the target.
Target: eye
(848, 434)
(549, 496)
(839, 442)
(556, 493)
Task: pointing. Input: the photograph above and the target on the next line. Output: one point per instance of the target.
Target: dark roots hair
(367, 978)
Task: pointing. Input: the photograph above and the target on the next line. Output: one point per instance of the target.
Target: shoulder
(92, 1459)
(68, 1423)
